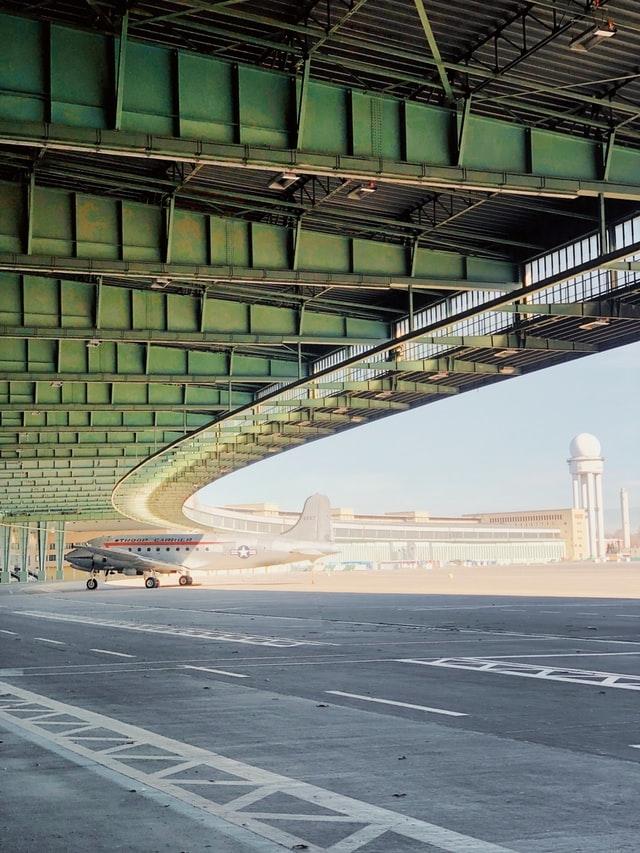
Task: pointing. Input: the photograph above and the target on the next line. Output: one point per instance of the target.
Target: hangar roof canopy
(253, 188)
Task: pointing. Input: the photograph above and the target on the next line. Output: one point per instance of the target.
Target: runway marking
(585, 654)
(593, 678)
(47, 640)
(189, 633)
(239, 812)
(217, 671)
(115, 654)
(398, 704)
(4, 631)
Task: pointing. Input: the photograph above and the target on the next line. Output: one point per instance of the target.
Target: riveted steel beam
(361, 167)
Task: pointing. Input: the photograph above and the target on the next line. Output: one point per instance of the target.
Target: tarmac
(195, 718)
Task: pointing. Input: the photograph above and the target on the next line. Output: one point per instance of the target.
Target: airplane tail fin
(314, 524)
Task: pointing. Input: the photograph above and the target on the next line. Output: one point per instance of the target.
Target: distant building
(399, 538)
(571, 523)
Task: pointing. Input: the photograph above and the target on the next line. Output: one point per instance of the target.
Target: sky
(502, 447)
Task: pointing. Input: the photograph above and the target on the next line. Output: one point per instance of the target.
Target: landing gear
(183, 580)
(92, 583)
(151, 583)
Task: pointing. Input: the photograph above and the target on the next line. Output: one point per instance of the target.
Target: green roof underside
(164, 296)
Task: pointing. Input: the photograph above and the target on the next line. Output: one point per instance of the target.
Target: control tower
(586, 465)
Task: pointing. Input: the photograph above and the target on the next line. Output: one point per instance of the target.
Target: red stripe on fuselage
(139, 542)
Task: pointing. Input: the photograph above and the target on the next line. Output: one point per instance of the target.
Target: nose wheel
(92, 583)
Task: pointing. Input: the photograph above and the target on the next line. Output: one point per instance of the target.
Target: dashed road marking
(216, 671)
(23, 711)
(4, 631)
(47, 640)
(189, 633)
(398, 704)
(115, 654)
(593, 678)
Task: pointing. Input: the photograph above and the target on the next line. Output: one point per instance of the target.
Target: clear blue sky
(501, 447)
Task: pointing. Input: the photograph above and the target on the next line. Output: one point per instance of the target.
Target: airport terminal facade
(402, 539)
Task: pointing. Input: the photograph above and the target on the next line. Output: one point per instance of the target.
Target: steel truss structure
(228, 228)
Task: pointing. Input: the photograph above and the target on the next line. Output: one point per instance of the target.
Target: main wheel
(150, 582)
(92, 583)
(189, 580)
(183, 580)
(157, 582)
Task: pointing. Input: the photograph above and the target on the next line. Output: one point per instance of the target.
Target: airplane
(310, 539)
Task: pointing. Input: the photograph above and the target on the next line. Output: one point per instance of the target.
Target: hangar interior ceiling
(228, 228)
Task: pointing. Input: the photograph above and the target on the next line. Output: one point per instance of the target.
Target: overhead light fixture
(94, 342)
(362, 191)
(283, 181)
(507, 370)
(341, 410)
(357, 419)
(594, 36)
(506, 353)
(594, 324)
(437, 376)
(384, 395)
(56, 384)
(160, 283)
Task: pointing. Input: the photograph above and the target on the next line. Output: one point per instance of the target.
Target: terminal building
(400, 539)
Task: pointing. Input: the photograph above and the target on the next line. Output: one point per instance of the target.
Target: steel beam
(362, 168)
(150, 271)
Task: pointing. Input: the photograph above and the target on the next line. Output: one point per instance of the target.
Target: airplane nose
(79, 558)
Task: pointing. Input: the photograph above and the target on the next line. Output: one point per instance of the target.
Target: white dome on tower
(585, 446)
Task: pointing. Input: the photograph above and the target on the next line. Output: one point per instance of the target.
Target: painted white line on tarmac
(189, 633)
(115, 654)
(585, 654)
(216, 671)
(47, 640)
(590, 677)
(398, 704)
(4, 631)
(239, 816)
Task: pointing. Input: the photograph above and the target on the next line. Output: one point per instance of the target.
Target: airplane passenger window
(177, 549)
(187, 549)
(139, 549)
(157, 549)
(168, 549)
(148, 549)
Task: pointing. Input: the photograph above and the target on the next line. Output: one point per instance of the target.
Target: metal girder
(602, 310)
(447, 364)
(387, 387)
(150, 271)
(381, 46)
(152, 336)
(414, 172)
(507, 342)
(435, 50)
(30, 375)
(37, 408)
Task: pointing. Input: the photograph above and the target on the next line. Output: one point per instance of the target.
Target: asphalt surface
(185, 719)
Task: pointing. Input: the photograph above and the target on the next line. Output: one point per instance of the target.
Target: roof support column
(42, 550)
(24, 535)
(59, 537)
(5, 550)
